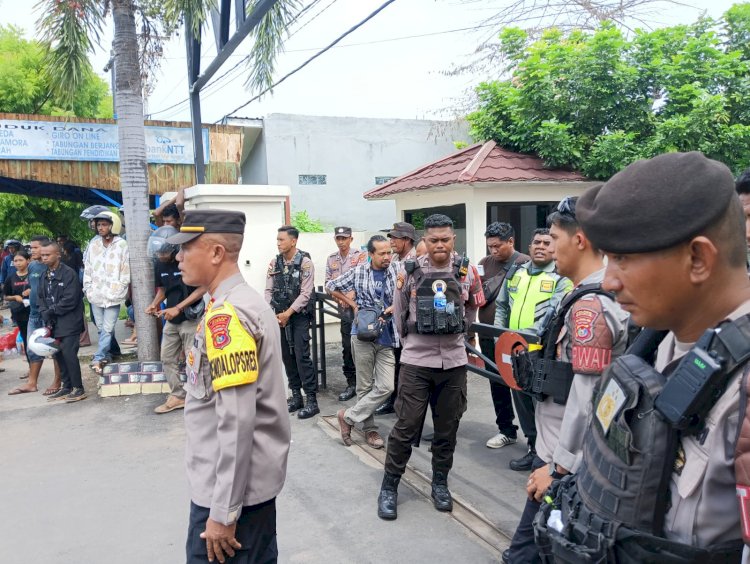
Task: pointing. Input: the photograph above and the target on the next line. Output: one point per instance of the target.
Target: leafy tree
(597, 101)
(25, 89)
(71, 30)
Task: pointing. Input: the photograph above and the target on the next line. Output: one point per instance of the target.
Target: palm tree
(72, 29)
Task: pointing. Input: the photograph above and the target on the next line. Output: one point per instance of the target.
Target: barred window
(308, 179)
(383, 179)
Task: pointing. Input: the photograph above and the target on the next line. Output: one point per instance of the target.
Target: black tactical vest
(429, 321)
(613, 509)
(537, 372)
(287, 283)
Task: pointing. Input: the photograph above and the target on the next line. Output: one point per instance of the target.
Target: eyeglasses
(567, 206)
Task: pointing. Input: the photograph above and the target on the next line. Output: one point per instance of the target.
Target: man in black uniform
(436, 298)
(61, 308)
(289, 289)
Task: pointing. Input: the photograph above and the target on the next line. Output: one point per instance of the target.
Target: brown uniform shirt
(493, 267)
(237, 428)
(307, 286)
(704, 508)
(336, 265)
(595, 332)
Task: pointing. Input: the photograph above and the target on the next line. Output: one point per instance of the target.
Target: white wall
(477, 196)
(264, 212)
(351, 152)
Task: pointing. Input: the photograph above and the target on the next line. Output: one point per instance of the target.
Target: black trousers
(350, 372)
(501, 398)
(522, 548)
(67, 359)
(256, 532)
(445, 392)
(525, 409)
(299, 367)
(22, 320)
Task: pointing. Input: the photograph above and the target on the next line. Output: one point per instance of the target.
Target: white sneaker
(500, 440)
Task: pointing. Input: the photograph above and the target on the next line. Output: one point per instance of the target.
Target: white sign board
(61, 141)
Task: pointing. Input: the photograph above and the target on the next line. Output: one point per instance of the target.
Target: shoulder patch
(231, 350)
(591, 338)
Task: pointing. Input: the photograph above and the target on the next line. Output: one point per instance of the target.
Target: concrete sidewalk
(103, 480)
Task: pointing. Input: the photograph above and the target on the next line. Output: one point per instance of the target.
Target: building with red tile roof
(478, 185)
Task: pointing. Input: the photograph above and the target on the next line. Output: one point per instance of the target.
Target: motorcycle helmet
(113, 218)
(91, 212)
(157, 242)
(14, 242)
(42, 343)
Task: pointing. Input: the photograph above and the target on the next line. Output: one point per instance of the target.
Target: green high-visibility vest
(529, 297)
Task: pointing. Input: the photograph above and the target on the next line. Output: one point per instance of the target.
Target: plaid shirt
(360, 280)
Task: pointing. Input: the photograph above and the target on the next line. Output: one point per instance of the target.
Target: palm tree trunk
(134, 171)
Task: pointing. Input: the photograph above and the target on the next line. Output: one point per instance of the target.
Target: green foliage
(70, 30)
(306, 224)
(598, 101)
(25, 88)
(22, 217)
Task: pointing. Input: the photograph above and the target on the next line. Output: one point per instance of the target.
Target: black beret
(656, 203)
(197, 222)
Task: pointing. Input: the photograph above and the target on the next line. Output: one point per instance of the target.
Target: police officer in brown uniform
(666, 454)
(338, 264)
(235, 419)
(290, 288)
(436, 298)
(403, 237)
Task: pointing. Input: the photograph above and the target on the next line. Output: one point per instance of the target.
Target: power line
(247, 57)
(311, 59)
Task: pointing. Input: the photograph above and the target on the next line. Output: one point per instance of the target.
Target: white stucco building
(329, 162)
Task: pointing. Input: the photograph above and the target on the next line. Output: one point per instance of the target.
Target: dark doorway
(523, 217)
(457, 213)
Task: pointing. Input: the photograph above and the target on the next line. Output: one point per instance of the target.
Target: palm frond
(196, 12)
(269, 37)
(70, 29)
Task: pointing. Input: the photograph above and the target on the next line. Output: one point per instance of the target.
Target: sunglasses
(567, 206)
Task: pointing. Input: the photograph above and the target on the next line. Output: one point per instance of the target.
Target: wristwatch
(554, 473)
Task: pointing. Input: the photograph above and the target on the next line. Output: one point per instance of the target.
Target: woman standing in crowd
(16, 289)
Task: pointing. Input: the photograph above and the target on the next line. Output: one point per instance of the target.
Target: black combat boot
(523, 464)
(441, 496)
(311, 407)
(295, 402)
(386, 407)
(350, 391)
(388, 498)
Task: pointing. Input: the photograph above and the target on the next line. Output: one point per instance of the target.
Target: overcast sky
(380, 73)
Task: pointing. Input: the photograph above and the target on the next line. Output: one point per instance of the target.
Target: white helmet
(42, 343)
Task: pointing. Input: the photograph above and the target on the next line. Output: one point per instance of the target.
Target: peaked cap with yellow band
(198, 222)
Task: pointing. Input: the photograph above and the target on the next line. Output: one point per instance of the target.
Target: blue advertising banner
(61, 141)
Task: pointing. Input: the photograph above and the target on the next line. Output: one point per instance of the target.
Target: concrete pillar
(265, 208)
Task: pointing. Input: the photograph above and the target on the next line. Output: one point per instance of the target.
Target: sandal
(18, 391)
(50, 391)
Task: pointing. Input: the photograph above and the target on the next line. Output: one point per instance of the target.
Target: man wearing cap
(500, 264)
(290, 291)
(673, 231)
(403, 237)
(235, 420)
(338, 264)
(587, 331)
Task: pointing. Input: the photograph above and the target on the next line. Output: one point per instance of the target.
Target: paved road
(103, 481)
